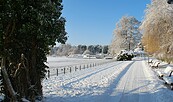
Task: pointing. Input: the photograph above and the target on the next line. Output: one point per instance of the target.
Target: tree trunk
(34, 74)
(7, 81)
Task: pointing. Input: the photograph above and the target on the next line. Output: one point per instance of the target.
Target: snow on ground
(118, 81)
(59, 63)
(53, 62)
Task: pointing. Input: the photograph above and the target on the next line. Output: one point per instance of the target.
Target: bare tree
(64, 49)
(126, 35)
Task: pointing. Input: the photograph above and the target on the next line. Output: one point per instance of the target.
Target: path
(128, 81)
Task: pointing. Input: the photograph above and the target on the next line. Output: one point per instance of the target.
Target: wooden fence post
(57, 72)
(75, 68)
(48, 73)
(70, 69)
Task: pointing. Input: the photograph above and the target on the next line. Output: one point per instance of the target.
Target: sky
(92, 22)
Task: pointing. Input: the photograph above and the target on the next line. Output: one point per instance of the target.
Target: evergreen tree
(27, 29)
(105, 49)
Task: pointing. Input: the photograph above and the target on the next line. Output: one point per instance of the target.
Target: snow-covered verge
(128, 81)
(161, 91)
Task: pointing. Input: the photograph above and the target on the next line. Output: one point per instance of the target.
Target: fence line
(75, 67)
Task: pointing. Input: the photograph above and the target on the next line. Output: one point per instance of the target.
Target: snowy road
(128, 81)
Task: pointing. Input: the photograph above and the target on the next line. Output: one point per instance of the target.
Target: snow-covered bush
(125, 55)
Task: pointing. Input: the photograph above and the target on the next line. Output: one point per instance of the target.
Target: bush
(125, 56)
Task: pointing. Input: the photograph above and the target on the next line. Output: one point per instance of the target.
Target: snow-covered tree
(67, 49)
(105, 49)
(64, 49)
(91, 48)
(157, 27)
(81, 49)
(126, 35)
(98, 49)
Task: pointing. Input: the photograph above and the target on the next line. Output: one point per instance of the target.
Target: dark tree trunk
(7, 85)
(34, 71)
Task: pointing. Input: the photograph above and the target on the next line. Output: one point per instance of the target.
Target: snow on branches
(157, 28)
(126, 35)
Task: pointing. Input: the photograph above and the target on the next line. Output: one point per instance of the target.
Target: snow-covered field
(54, 62)
(128, 81)
(59, 63)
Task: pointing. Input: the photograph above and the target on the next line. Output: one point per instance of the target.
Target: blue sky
(91, 22)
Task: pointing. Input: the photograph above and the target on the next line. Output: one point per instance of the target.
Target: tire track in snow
(136, 87)
(111, 89)
(130, 91)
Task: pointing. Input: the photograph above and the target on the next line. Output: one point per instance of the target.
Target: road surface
(126, 81)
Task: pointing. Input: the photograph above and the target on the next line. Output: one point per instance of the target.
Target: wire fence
(73, 68)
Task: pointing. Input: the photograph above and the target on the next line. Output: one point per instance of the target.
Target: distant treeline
(67, 49)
